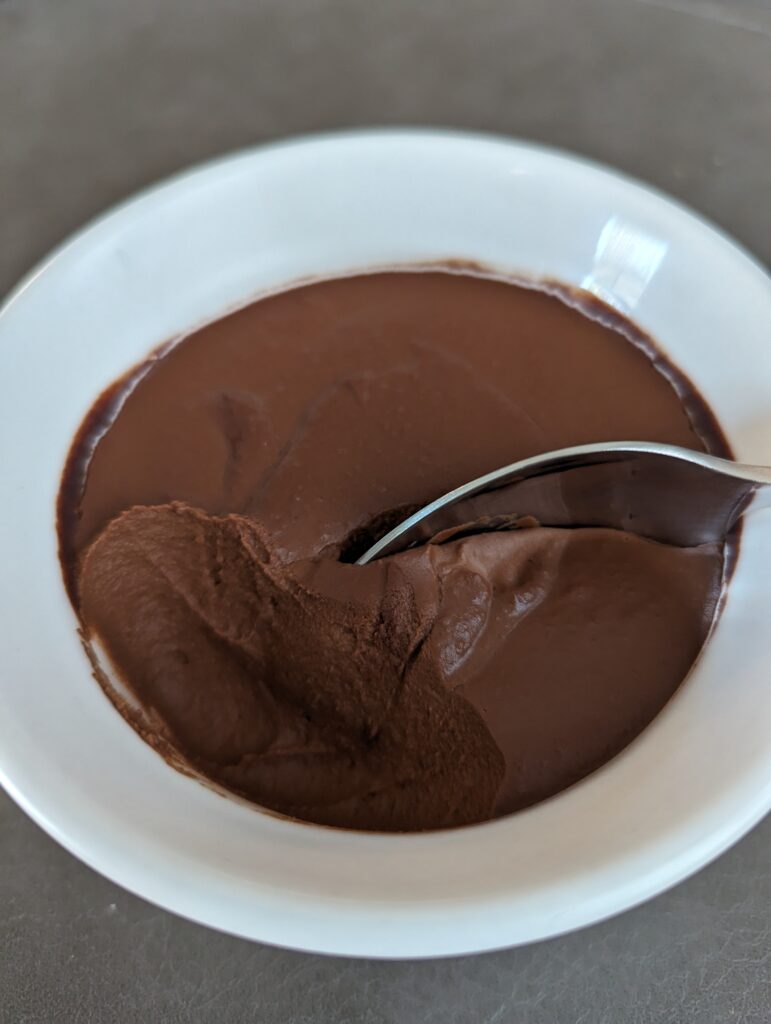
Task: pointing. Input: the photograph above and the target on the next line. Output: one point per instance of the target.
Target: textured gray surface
(99, 98)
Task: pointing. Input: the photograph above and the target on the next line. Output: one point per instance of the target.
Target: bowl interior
(215, 238)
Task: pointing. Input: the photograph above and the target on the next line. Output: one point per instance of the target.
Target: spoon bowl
(662, 491)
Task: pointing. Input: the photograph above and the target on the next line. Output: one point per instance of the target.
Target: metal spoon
(661, 491)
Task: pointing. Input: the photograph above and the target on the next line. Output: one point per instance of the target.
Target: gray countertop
(98, 99)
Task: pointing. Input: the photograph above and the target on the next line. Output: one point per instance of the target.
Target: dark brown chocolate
(205, 529)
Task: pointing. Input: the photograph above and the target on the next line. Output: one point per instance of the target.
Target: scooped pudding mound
(216, 498)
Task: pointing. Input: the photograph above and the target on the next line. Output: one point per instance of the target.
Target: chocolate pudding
(216, 497)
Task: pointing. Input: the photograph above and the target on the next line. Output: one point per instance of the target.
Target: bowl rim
(364, 134)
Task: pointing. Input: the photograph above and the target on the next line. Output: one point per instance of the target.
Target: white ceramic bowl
(215, 237)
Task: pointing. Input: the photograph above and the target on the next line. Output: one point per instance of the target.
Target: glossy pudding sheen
(215, 500)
